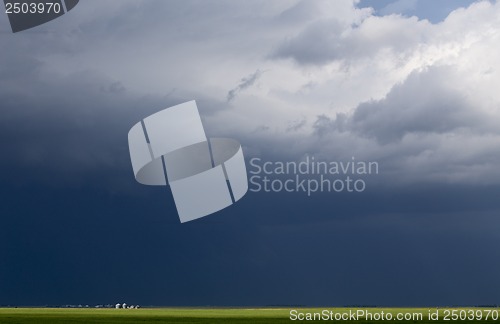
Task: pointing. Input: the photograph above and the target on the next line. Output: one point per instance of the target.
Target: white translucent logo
(205, 175)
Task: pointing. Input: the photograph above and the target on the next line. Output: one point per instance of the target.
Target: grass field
(215, 315)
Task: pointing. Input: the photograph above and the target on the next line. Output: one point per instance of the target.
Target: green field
(229, 315)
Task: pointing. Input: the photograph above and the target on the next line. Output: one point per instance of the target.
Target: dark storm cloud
(62, 129)
(91, 247)
(94, 113)
(77, 228)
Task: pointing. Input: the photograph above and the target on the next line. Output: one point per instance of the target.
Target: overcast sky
(412, 84)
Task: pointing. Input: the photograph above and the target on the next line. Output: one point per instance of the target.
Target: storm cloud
(288, 79)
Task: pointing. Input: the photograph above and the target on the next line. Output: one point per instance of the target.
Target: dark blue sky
(306, 77)
(86, 245)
